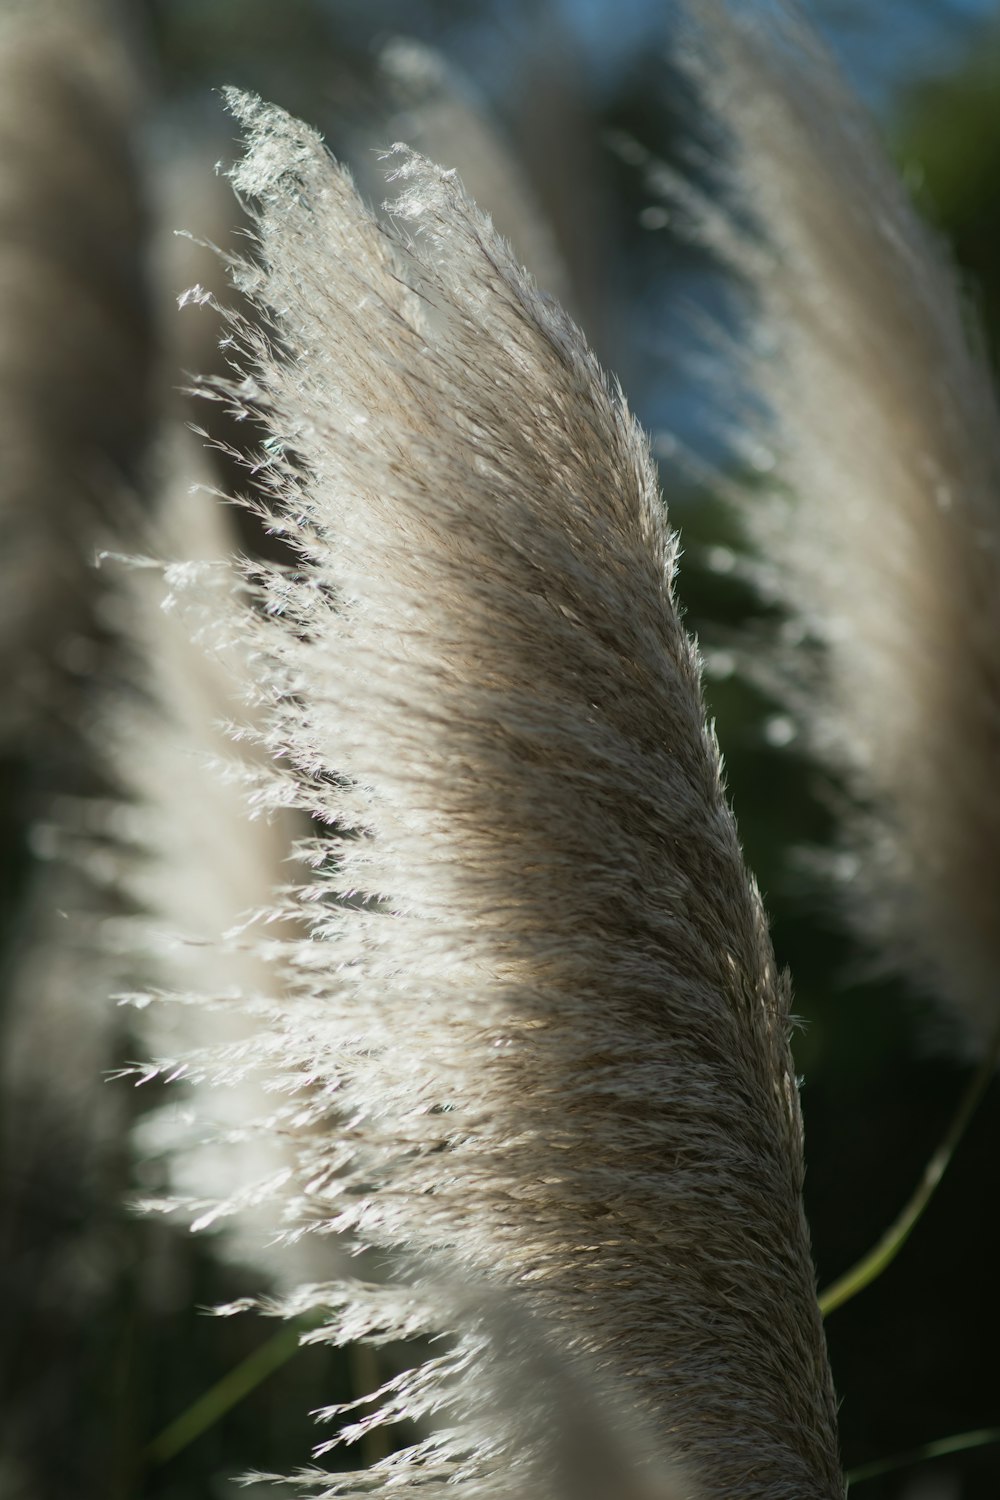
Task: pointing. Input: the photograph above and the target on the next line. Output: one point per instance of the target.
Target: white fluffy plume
(879, 527)
(538, 989)
(202, 876)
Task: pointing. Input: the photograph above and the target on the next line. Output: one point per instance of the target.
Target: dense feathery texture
(875, 501)
(538, 989)
(454, 955)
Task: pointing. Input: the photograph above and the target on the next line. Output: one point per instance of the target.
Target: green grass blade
(224, 1395)
(871, 1266)
(960, 1443)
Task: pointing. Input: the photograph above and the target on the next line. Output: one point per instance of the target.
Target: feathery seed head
(539, 985)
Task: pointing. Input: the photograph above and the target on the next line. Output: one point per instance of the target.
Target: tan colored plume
(877, 522)
(539, 985)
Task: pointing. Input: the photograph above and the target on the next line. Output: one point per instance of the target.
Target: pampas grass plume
(877, 523)
(539, 983)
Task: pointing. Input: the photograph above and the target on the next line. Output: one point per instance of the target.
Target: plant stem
(224, 1395)
(871, 1266)
(960, 1443)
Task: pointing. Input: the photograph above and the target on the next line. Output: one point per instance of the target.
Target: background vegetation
(914, 1357)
